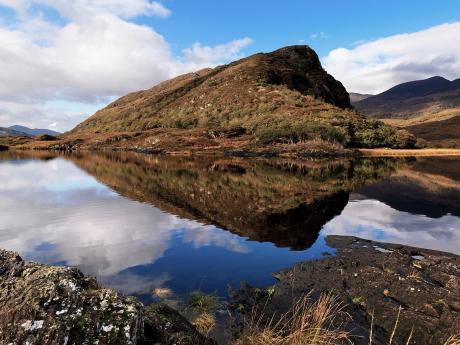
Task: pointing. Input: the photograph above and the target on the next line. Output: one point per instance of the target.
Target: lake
(141, 222)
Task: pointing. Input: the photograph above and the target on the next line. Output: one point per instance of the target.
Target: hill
(8, 132)
(424, 107)
(278, 98)
(356, 97)
(34, 131)
(415, 102)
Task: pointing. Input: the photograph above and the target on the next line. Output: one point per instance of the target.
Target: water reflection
(419, 205)
(282, 202)
(140, 222)
(373, 219)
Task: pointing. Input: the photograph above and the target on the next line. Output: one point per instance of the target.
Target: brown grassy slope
(444, 133)
(280, 96)
(225, 93)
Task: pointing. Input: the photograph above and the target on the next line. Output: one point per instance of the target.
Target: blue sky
(62, 60)
(273, 24)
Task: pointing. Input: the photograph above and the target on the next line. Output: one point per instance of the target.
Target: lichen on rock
(42, 304)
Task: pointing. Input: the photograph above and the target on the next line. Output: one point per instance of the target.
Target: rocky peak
(299, 68)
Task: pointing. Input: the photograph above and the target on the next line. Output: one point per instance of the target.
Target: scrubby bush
(373, 133)
(286, 129)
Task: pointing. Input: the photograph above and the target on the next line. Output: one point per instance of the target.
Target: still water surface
(141, 222)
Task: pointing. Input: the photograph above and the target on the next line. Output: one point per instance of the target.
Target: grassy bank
(409, 152)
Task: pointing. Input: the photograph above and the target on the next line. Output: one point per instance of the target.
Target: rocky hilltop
(279, 101)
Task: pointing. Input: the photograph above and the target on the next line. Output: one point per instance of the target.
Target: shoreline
(60, 304)
(235, 149)
(376, 283)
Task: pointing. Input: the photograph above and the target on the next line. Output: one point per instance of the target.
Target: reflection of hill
(265, 200)
(431, 187)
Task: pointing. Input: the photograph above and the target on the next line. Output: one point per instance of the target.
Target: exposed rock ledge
(375, 278)
(42, 304)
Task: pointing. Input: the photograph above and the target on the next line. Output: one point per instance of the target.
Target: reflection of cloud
(53, 212)
(210, 235)
(375, 220)
(131, 284)
(102, 236)
(48, 175)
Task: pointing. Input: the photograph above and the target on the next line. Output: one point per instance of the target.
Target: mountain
(278, 98)
(34, 131)
(424, 107)
(414, 101)
(356, 97)
(262, 83)
(8, 132)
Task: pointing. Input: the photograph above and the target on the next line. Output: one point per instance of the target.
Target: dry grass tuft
(161, 292)
(306, 324)
(454, 340)
(204, 323)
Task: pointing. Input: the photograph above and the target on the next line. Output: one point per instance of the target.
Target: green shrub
(373, 133)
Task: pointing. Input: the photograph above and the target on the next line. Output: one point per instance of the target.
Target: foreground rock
(377, 279)
(41, 304)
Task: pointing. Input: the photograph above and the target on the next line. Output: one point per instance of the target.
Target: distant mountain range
(428, 108)
(413, 99)
(18, 131)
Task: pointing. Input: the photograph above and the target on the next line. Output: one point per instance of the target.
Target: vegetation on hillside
(280, 97)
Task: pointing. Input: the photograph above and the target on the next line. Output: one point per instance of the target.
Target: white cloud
(199, 55)
(79, 9)
(96, 55)
(319, 35)
(375, 66)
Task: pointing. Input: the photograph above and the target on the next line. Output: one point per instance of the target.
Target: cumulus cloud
(199, 55)
(373, 67)
(93, 54)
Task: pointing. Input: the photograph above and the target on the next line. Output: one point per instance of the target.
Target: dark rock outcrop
(42, 304)
(373, 278)
(3, 148)
(299, 68)
(45, 137)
